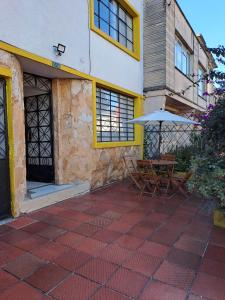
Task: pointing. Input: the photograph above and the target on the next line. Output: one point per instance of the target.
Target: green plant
(208, 164)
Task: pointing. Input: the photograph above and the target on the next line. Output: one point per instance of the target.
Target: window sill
(184, 74)
(134, 54)
(99, 145)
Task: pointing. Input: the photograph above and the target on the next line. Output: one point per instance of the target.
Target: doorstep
(50, 194)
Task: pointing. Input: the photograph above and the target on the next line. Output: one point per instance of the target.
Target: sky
(206, 17)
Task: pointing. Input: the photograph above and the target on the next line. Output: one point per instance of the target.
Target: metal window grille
(112, 19)
(113, 112)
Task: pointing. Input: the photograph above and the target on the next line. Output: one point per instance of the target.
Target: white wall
(38, 25)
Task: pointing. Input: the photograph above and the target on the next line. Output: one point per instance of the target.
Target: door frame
(6, 73)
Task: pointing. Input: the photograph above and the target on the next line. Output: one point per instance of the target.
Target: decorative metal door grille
(39, 137)
(4, 159)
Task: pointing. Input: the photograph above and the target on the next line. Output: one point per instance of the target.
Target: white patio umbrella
(161, 116)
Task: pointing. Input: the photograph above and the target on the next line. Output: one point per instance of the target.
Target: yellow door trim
(7, 74)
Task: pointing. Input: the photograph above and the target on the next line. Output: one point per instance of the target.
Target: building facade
(175, 58)
(71, 75)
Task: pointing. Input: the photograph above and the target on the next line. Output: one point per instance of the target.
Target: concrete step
(50, 194)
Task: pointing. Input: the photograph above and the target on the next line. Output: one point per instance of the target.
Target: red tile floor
(110, 245)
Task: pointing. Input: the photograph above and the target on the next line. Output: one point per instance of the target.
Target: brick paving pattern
(110, 245)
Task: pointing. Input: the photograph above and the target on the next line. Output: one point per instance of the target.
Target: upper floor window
(113, 110)
(201, 83)
(111, 18)
(182, 58)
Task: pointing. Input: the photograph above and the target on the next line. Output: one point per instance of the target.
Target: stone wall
(10, 61)
(75, 157)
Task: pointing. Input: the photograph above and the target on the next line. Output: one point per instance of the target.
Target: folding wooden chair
(168, 156)
(151, 181)
(179, 183)
(135, 176)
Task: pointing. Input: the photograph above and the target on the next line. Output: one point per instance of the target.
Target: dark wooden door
(5, 208)
(39, 138)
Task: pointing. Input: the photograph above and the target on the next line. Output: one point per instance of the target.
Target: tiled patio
(109, 245)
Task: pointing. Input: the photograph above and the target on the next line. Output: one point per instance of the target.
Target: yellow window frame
(136, 29)
(138, 110)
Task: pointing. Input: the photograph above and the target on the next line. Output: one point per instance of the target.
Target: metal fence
(172, 137)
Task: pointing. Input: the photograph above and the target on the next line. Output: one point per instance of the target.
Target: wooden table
(169, 164)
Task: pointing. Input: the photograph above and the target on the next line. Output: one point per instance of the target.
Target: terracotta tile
(129, 242)
(189, 244)
(72, 260)
(24, 265)
(21, 291)
(54, 220)
(6, 280)
(83, 217)
(218, 237)
(70, 239)
(209, 286)
(143, 263)
(199, 231)
(87, 229)
(69, 224)
(35, 227)
(81, 207)
(47, 277)
(96, 211)
(50, 251)
(100, 221)
(97, 270)
(160, 291)
(175, 275)
(141, 232)
(51, 232)
(107, 294)
(8, 253)
(106, 236)
(33, 242)
(120, 226)
(15, 236)
(91, 246)
(184, 258)
(154, 249)
(216, 253)
(165, 236)
(213, 267)
(115, 254)
(5, 229)
(127, 282)
(113, 215)
(157, 217)
(132, 218)
(74, 285)
(194, 297)
(21, 222)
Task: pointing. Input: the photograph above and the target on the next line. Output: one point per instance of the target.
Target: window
(182, 58)
(112, 19)
(113, 110)
(202, 83)
(119, 23)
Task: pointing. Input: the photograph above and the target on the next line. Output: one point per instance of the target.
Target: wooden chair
(150, 179)
(168, 156)
(179, 183)
(165, 180)
(130, 163)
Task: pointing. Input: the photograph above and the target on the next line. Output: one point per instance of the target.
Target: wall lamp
(60, 49)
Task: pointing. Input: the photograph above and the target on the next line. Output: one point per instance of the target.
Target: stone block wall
(10, 61)
(75, 157)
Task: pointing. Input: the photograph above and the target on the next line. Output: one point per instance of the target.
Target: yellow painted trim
(138, 108)
(136, 29)
(37, 58)
(6, 72)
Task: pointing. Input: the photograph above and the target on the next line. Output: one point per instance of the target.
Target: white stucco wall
(38, 25)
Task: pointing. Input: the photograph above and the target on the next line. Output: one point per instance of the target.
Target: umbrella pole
(160, 139)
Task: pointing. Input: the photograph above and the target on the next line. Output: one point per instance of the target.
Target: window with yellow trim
(115, 21)
(113, 110)
(118, 22)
